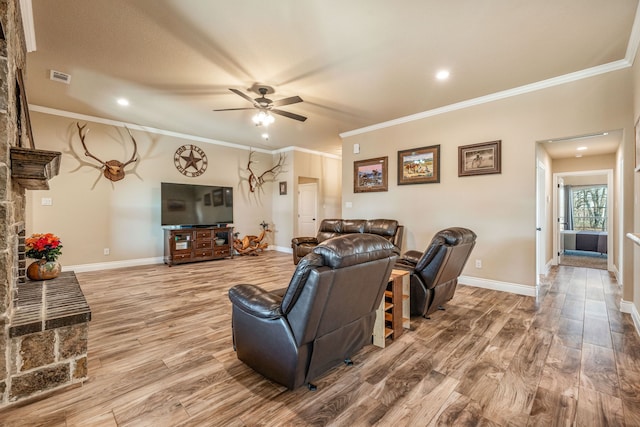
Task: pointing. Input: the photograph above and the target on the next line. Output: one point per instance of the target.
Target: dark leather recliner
(435, 272)
(387, 228)
(322, 318)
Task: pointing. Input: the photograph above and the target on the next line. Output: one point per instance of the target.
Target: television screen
(195, 205)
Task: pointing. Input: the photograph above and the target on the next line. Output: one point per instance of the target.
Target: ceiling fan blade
(286, 101)
(234, 109)
(244, 95)
(289, 115)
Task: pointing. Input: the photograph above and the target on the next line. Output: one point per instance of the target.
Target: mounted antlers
(257, 181)
(113, 169)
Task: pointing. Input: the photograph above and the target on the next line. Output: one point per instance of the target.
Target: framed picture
(479, 159)
(419, 165)
(207, 199)
(217, 197)
(283, 188)
(370, 175)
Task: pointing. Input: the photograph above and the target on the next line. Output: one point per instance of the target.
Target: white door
(541, 221)
(307, 209)
(562, 224)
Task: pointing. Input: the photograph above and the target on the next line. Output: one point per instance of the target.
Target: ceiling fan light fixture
(263, 118)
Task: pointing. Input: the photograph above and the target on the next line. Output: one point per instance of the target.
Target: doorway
(584, 239)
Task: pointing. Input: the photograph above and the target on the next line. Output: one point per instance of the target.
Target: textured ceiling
(355, 63)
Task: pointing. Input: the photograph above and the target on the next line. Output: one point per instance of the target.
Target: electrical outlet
(106, 251)
(478, 263)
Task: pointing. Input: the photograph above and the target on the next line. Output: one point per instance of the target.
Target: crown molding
(634, 39)
(26, 11)
(544, 84)
(629, 58)
(116, 123)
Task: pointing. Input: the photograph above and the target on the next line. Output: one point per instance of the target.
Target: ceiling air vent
(58, 76)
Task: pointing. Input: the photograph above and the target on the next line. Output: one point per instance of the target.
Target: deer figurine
(113, 169)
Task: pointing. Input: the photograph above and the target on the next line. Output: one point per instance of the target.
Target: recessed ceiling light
(265, 136)
(123, 101)
(581, 148)
(442, 75)
(578, 155)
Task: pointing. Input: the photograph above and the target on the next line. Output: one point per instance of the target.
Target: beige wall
(327, 172)
(635, 228)
(500, 208)
(90, 213)
(585, 163)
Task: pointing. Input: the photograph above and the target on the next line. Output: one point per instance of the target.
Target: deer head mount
(113, 169)
(255, 182)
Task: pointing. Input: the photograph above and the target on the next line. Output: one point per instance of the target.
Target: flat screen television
(191, 205)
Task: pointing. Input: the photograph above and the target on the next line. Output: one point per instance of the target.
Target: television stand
(194, 244)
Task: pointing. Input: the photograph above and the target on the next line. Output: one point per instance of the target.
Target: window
(589, 207)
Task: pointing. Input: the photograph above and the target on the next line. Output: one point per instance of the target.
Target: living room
(106, 225)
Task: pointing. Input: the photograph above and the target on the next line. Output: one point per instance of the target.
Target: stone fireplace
(43, 325)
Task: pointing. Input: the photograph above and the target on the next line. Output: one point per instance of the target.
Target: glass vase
(43, 270)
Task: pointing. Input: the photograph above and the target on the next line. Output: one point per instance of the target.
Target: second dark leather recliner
(434, 272)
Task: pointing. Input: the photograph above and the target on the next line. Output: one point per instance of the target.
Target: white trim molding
(116, 123)
(26, 11)
(82, 268)
(629, 307)
(544, 84)
(495, 285)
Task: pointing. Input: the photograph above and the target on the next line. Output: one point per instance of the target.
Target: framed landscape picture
(479, 159)
(419, 165)
(370, 175)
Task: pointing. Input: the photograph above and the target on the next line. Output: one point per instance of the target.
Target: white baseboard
(284, 249)
(495, 285)
(629, 307)
(81, 268)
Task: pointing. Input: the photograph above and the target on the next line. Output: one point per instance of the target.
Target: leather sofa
(435, 272)
(387, 228)
(322, 318)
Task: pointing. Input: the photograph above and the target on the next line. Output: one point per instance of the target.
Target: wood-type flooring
(160, 354)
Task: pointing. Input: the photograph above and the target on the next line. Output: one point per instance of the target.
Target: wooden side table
(393, 314)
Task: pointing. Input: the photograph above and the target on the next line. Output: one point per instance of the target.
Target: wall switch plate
(46, 201)
(106, 251)
(348, 205)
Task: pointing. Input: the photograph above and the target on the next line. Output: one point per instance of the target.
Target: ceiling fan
(266, 105)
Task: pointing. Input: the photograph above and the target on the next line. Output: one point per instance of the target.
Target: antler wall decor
(113, 169)
(255, 182)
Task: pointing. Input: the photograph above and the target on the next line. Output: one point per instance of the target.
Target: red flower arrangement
(41, 246)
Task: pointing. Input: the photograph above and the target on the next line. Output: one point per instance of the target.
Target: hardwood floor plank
(598, 370)
(596, 331)
(551, 409)
(161, 354)
(515, 392)
(561, 372)
(570, 332)
(597, 409)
